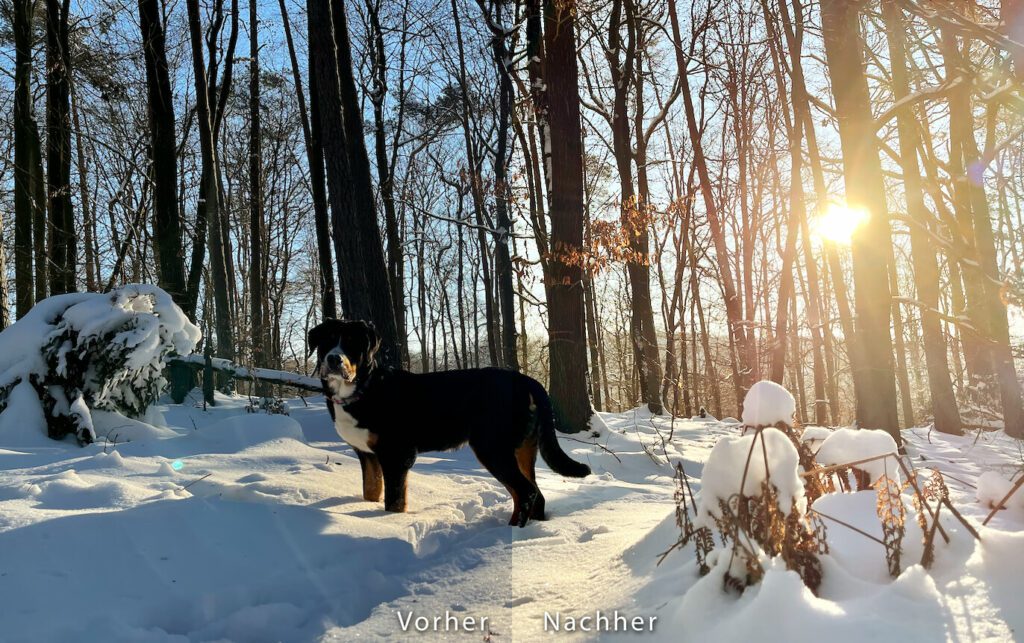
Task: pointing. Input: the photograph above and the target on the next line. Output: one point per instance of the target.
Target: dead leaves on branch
(612, 242)
(751, 529)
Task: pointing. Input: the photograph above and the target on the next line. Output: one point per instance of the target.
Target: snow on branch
(81, 351)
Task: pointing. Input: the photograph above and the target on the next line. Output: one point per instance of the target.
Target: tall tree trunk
(63, 245)
(567, 344)
(26, 159)
(162, 154)
(862, 171)
(365, 291)
(209, 174)
(988, 312)
(733, 308)
(40, 238)
(926, 268)
(257, 262)
(88, 213)
(386, 167)
(633, 214)
(503, 269)
(315, 159)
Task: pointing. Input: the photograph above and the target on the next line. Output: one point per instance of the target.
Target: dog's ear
(372, 341)
(318, 334)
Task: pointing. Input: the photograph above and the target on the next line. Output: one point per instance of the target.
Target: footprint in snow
(589, 534)
(253, 477)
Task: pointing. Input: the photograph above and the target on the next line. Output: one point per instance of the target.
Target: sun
(839, 222)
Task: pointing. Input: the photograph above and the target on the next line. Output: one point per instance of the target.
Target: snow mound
(992, 488)
(724, 473)
(814, 436)
(767, 403)
(844, 446)
(82, 351)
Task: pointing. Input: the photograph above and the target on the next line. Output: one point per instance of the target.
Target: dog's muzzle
(338, 366)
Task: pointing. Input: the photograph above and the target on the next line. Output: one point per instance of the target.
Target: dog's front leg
(396, 474)
(373, 477)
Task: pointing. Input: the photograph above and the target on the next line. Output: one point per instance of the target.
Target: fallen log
(197, 363)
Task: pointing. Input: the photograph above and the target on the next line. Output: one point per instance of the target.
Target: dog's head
(345, 353)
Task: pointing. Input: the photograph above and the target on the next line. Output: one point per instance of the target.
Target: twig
(195, 481)
(912, 479)
(596, 444)
(849, 526)
(836, 467)
(1002, 503)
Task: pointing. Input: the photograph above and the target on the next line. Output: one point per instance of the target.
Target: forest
(638, 202)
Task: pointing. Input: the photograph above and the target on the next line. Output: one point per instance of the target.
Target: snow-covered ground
(224, 525)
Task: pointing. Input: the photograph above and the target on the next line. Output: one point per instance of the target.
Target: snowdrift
(82, 351)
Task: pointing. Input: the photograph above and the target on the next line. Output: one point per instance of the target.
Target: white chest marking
(346, 427)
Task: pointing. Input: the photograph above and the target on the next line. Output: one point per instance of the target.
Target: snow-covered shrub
(753, 497)
(82, 351)
(846, 446)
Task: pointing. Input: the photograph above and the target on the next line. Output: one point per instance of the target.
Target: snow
(848, 445)
(767, 403)
(814, 436)
(993, 487)
(193, 524)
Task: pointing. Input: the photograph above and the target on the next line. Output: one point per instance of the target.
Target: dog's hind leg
(373, 476)
(526, 458)
(527, 501)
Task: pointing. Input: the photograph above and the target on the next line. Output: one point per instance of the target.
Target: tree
(633, 210)
(318, 190)
(567, 339)
(926, 269)
(63, 246)
(257, 265)
(734, 315)
(862, 172)
(162, 152)
(209, 194)
(365, 291)
(28, 178)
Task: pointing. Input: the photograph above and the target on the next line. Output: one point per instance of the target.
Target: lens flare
(177, 465)
(839, 222)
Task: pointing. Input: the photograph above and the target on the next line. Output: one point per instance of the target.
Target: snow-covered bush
(81, 351)
(873, 450)
(753, 497)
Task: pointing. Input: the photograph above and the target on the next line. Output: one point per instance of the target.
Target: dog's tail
(549, 447)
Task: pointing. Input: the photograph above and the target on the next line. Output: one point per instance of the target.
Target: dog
(389, 416)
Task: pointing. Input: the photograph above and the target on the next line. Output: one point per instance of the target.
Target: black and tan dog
(389, 416)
